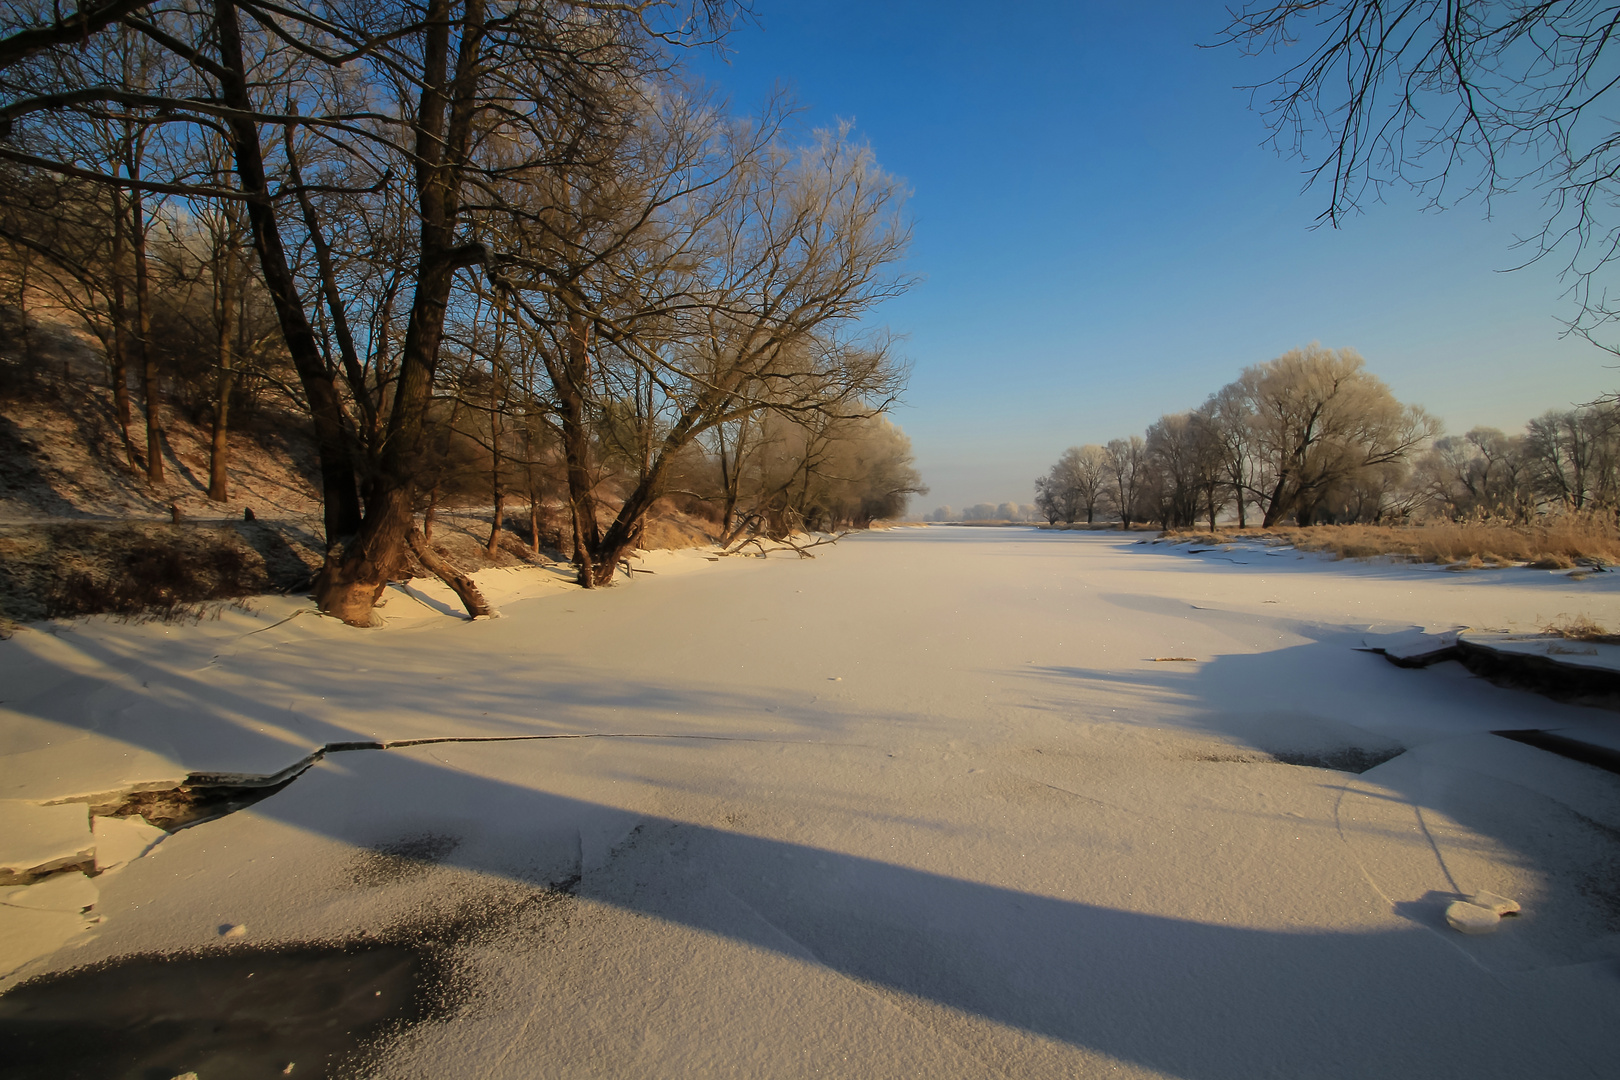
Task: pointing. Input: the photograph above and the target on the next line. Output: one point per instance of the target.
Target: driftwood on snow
(450, 574)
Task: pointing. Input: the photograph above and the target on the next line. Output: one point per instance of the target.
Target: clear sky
(1102, 237)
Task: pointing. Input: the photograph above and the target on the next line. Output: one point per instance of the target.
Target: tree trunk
(626, 529)
(438, 476)
(340, 494)
(23, 262)
(534, 525)
(576, 450)
(730, 478)
(495, 461)
(218, 479)
(1277, 507)
(348, 587)
(120, 334)
(432, 511)
(151, 390)
(495, 526)
(451, 575)
(358, 390)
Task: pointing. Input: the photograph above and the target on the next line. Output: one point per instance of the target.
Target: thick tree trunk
(451, 575)
(348, 587)
(339, 492)
(1277, 507)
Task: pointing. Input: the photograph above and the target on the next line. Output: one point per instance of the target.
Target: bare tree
(1319, 417)
(730, 283)
(441, 103)
(1457, 98)
(1126, 474)
(1075, 485)
(1484, 472)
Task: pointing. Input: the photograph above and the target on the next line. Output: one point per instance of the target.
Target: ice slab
(1598, 656)
(63, 892)
(1413, 648)
(1471, 918)
(37, 838)
(120, 840)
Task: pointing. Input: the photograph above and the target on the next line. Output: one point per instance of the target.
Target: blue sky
(1102, 237)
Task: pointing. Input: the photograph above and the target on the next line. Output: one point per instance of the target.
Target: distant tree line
(1312, 437)
(492, 243)
(1006, 511)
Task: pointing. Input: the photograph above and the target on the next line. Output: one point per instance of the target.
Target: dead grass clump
(672, 529)
(1195, 537)
(1580, 628)
(145, 569)
(151, 579)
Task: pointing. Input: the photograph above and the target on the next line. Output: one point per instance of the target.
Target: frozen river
(948, 802)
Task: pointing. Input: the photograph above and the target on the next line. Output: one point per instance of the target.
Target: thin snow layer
(1599, 656)
(932, 803)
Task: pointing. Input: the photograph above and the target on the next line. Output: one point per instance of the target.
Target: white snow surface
(928, 804)
(1581, 654)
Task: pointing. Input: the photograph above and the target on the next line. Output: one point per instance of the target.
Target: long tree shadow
(1184, 997)
(24, 475)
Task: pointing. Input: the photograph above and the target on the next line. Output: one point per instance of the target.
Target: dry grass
(668, 529)
(1558, 543)
(144, 570)
(1580, 628)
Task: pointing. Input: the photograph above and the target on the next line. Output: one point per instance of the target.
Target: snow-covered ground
(945, 801)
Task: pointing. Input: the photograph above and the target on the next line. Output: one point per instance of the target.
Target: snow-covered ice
(121, 839)
(922, 805)
(36, 839)
(1593, 655)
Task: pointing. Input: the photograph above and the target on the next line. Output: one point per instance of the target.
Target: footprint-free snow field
(940, 802)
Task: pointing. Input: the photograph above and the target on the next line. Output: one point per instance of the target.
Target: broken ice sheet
(123, 839)
(62, 892)
(35, 839)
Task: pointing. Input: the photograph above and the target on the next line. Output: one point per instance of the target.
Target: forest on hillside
(496, 251)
